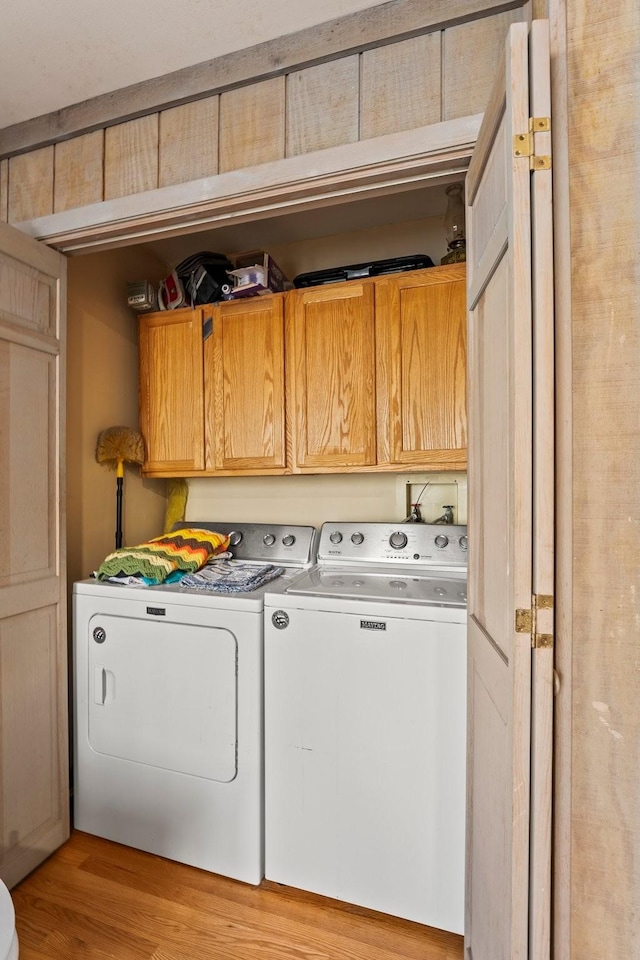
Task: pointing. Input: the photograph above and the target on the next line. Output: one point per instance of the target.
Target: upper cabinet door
(244, 387)
(421, 342)
(34, 781)
(331, 359)
(510, 635)
(171, 391)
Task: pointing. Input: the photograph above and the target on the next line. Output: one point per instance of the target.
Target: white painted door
(34, 779)
(510, 401)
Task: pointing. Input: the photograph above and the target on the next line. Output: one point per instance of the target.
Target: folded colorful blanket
(185, 550)
(231, 576)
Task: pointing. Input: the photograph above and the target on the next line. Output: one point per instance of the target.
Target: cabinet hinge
(527, 621)
(523, 144)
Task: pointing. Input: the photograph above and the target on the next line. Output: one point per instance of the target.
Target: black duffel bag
(203, 275)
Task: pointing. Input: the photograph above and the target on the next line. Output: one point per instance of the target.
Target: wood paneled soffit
(437, 153)
(386, 23)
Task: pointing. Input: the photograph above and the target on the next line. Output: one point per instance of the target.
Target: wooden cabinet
(357, 376)
(172, 391)
(212, 389)
(331, 367)
(421, 353)
(377, 373)
(244, 387)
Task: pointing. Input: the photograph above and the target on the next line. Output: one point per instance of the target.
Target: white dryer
(365, 722)
(169, 710)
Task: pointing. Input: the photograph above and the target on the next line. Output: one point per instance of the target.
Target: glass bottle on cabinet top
(454, 225)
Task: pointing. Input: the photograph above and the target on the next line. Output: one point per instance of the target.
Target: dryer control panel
(288, 545)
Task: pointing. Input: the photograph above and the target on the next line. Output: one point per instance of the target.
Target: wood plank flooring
(96, 900)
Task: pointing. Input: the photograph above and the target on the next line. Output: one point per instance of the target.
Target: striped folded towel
(185, 550)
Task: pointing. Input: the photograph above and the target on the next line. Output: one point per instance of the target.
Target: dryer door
(164, 694)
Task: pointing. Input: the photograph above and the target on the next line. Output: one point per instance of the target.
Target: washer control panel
(407, 543)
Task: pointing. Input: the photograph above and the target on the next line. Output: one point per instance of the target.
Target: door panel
(164, 694)
(421, 354)
(171, 391)
(33, 783)
(510, 405)
(244, 386)
(332, 370)
(28, 410)
(34, 792)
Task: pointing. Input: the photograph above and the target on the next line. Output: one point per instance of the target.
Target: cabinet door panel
(333, 376)
(421, 335)
(171, 395)
(244, 387)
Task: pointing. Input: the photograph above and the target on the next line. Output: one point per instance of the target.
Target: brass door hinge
(527, 620)
(523, 144)
(524, 621)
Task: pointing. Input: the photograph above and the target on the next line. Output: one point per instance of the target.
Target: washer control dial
(288, 540)
(357, 538)
(463, 543)
(441, 541)
(335, 537)
(235, 537)
(398, 540)
(269, 539)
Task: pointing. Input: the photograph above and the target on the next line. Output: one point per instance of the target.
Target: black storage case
(356, 271)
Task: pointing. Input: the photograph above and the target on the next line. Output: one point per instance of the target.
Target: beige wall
(604, 167)
(102, 391)
(314, 499)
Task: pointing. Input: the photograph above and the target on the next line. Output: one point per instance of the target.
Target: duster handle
(118, 513)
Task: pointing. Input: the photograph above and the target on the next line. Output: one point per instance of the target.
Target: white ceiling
(54, 53)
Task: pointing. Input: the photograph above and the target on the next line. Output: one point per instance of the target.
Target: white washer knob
(441, 541)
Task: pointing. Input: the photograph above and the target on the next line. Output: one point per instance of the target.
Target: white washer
(169, 710)
(365, 722)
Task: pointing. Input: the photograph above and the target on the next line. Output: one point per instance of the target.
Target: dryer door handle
(99, 685)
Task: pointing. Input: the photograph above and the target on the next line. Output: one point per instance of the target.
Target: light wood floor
(96, 900)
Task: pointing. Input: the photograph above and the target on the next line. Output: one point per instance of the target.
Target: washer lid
(362, 583)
